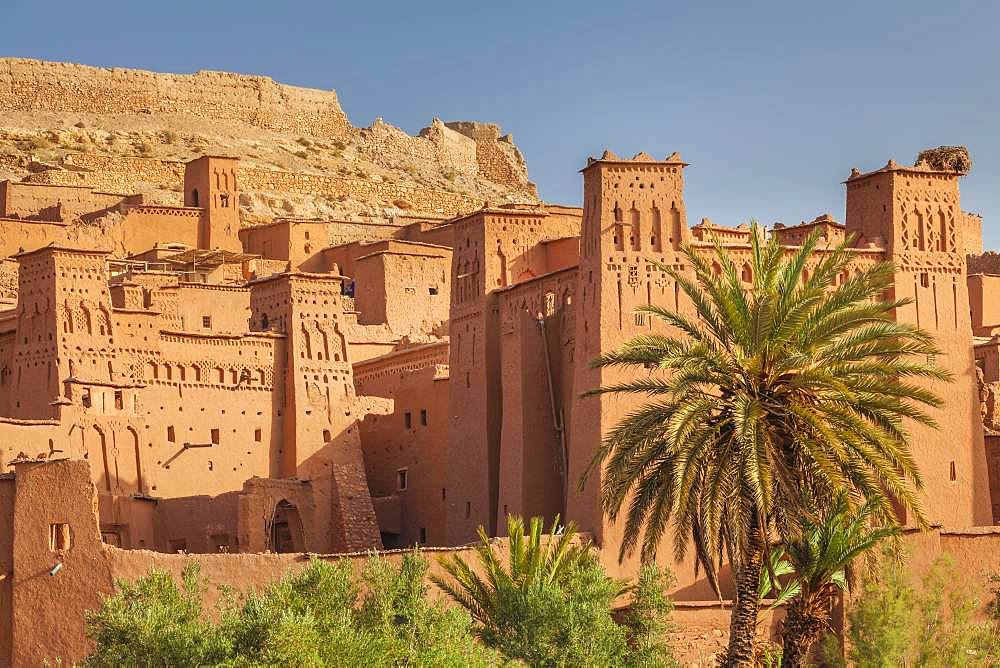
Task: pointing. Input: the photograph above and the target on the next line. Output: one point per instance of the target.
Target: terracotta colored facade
(312, 386)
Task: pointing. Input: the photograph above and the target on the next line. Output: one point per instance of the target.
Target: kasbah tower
(177, 384)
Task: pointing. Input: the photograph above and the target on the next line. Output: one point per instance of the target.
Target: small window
(925, 280)
(444, 494)
(119, 400)
(59, 537)
(433, 290)
(327, 437)
(640, 318)
(423, 535)
(215, 437)
(468, 509)
(952, 475)
(407, 419)
(423, 417)
(178, 545)
(85, 398)
(258, 435)
(410, 291)
(171, 436)
(206, 321)
(111, 538)
(307, 235)
(401, 479)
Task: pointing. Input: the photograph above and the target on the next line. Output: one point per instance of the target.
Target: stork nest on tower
(947, 159)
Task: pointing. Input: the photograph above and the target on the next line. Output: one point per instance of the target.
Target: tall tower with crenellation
(633, 213)
(915, 214)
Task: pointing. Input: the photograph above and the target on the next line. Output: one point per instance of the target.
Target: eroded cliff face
(128, 130)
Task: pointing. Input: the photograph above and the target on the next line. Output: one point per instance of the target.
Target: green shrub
(325, 615)
(894, 622)
(316, 617)
(548, 601)
(153, 622)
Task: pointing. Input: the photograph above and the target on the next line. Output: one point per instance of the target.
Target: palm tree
(533, 563)
(798, 382)
(820, 556)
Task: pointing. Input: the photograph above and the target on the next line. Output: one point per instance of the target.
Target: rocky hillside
(128, 131)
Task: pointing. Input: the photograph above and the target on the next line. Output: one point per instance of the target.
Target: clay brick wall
(32, 85)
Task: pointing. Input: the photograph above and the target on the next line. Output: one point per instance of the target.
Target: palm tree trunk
(743, 620)
(803, 625)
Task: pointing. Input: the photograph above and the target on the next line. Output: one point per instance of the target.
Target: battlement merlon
(609, 157)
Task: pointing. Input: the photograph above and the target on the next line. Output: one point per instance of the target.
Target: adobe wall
(493, 249)
(971, 233)
(412, 439)
(138, 230)
(536, 352)
(381, 376)
(984, 303)
(7, 494)
(46, 620)
(407, 286)
(33, 85)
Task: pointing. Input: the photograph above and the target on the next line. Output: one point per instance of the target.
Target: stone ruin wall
(35, 85)
(384, 143)
(121, 174)
(470, 148)
(497, 157)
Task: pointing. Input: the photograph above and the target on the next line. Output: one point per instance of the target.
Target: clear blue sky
(771, 103)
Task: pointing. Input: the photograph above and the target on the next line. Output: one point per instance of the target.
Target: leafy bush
(549, 602)
(894, 622)
(326, 615)
(154, 622)
(316, 617)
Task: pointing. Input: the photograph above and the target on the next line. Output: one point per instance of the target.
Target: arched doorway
(286, 529)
